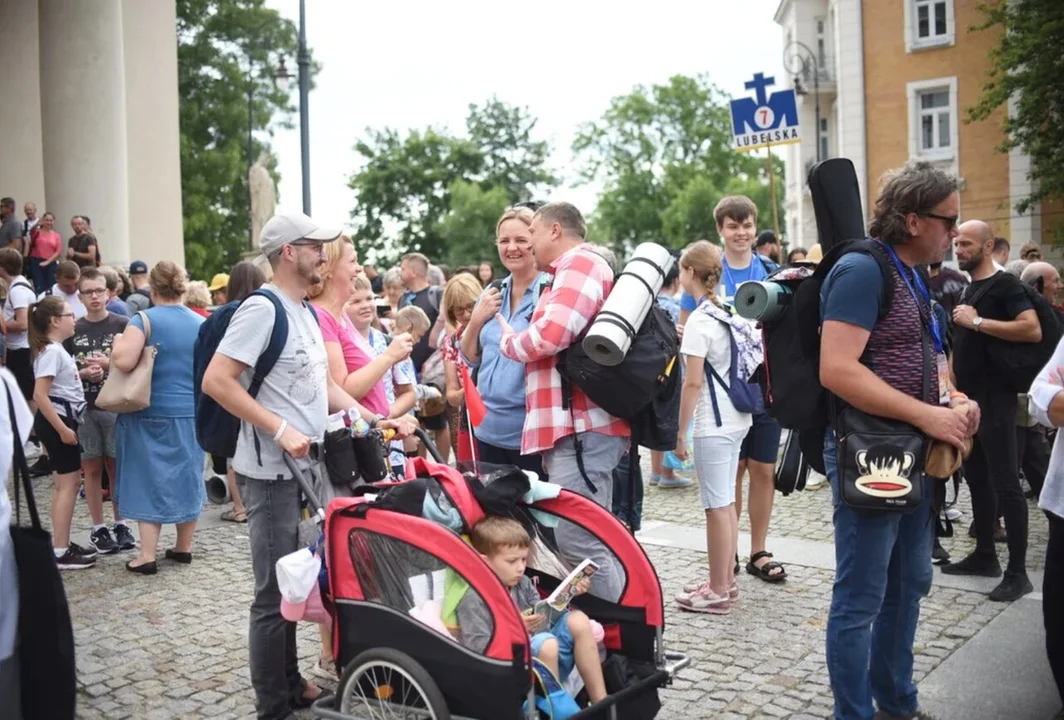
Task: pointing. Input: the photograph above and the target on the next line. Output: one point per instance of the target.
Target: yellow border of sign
(766, 145)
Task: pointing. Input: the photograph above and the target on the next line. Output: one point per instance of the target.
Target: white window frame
(915, 43)
(949, 157)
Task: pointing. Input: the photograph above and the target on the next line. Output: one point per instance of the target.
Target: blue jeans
(626, 508)
(43, 276)
(883, 569)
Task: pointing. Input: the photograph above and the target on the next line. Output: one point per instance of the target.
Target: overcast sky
(410, 64)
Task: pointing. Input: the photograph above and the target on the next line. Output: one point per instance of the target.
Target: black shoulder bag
(45, 635)
(880, 460)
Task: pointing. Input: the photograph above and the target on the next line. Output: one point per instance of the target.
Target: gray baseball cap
(286, 229)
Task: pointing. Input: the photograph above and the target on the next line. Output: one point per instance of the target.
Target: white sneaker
(704, 600)
(954, 513)
(814, 480)
(32, 451)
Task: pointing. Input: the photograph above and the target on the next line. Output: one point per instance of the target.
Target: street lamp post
(798, 57)
(303, 62)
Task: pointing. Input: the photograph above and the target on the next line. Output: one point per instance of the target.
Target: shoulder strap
(147, 325)
(21, 468)
(981, 292)
(274, 348)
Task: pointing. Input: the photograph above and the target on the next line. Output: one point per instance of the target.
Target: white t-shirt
(55, 362)
(19, 295)
(296, 388)
(73, 299)
(706, 337)
(8, 575)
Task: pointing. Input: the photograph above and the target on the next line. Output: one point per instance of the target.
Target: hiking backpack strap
(270, 356)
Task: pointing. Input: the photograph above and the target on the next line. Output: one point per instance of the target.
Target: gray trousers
(601, 453)
(273, 530)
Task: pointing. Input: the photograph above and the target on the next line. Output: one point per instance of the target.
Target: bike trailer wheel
(381, 684)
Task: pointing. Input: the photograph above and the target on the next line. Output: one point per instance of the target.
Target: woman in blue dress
(501, 381)
(160, 464)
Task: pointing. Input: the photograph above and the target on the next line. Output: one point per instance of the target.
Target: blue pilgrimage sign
(764, 120)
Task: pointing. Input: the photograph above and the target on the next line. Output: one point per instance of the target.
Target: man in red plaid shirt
(582, 280)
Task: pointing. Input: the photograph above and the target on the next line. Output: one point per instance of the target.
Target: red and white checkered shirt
(582, 280)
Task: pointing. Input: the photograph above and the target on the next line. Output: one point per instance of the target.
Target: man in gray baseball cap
(287, 415)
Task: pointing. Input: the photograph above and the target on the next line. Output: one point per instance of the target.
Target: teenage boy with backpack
(287, 415)
(736, 218)
(882, 353)
(581, 444)
(996, 307)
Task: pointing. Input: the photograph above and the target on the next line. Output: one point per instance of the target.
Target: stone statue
(263, 194)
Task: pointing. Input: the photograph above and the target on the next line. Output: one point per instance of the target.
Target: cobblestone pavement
(175, 645)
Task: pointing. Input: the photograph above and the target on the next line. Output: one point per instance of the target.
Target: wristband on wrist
(280, 431)
(375, 421)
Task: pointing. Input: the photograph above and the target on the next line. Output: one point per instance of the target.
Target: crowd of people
(398, 349)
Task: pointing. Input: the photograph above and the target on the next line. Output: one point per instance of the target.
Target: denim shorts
(762, 443)
(97, 434)
(560, 632)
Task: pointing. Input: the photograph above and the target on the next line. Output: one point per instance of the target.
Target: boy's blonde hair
(412, 319)
(493, 534)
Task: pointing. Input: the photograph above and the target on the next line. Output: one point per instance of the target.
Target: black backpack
(643, 389)
(1018, 363)
(790, 375)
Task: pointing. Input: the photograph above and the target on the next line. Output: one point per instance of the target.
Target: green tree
(664, 156)
(215, 40)
(468, 230)
(1024, 66)
(404, 190)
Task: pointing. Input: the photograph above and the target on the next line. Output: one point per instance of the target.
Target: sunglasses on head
(532, 205)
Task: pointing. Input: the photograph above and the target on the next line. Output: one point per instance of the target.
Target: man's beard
(972, 263)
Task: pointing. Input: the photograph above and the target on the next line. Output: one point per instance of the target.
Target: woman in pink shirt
(353, 368)
(45, 248)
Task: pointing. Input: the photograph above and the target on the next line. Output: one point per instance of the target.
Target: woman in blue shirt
(501, 381)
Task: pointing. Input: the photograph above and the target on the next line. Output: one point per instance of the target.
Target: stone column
(83, 113)
(152, 130)
(22, 164)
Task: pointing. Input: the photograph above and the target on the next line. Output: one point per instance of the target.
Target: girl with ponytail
(60, 401)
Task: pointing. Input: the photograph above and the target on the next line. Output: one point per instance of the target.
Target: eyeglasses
(90, 293)
(950, 221)
(69, 315)
(311, 244)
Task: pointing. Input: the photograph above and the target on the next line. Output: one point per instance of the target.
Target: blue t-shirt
(118, 307)
(852, 291)
(730, 279)
(173, 331)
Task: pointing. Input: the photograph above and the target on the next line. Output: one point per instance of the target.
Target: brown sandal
(232, 515)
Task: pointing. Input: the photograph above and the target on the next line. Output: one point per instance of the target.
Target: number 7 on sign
(764, 117)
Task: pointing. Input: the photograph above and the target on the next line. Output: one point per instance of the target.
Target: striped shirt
(582, 280)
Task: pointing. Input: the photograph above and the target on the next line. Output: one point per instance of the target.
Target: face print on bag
(884, 471)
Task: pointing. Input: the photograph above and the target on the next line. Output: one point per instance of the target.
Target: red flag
(473, 402)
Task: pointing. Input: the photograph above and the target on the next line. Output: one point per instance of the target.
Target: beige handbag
(125, 392)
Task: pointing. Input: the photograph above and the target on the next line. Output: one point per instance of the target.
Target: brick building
(896, 79)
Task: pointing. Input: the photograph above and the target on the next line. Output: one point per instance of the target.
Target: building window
(933, 119)
(928, 23)
(821, 44)
(823, 139)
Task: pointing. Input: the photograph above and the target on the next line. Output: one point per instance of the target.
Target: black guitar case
(836, 202)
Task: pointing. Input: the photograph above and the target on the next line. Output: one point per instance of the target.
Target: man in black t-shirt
(82, 247)
(413, 270)
(995, 307)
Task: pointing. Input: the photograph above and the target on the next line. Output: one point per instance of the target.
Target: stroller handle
(304, 485)
(431, 446)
